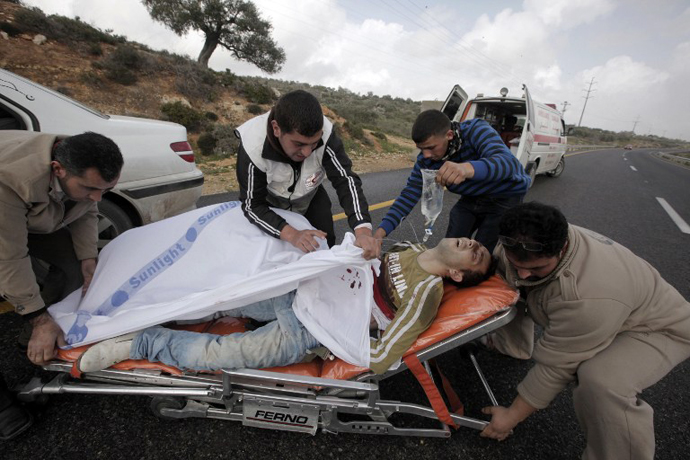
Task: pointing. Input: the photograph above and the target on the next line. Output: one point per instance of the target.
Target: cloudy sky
(636, 52)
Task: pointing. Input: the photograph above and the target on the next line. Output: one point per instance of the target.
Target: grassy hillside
(117, 76)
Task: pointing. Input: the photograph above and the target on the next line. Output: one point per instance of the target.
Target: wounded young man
(407, 295)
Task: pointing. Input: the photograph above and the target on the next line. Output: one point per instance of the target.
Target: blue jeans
(282, 341)
(483, 214)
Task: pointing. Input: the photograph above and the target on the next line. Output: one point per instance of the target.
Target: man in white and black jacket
(283, 158)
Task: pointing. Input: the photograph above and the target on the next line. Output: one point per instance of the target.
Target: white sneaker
(106, 353)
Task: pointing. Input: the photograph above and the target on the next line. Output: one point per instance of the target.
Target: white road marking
(633, 168)
(675, 217)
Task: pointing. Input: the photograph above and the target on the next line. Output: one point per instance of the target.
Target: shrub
(126, 56)
(178, 112)
(64, 90)
(258, 93)
(357, 132)
(194, 81)
(91, 78)
(121, 75)
(207, 143)
(227, 141)
(61, 28)
(120, 64)
(379, 135)
(95, 49)
(32, 20)
(9, 29)
(211, 116)
(255, 109)
(228, 78)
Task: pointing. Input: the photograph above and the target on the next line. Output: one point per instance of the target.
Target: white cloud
(622, 75)
(568, 13)
(680, 62)
(420, 52)
(549, 77)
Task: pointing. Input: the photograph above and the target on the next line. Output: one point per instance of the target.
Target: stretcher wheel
(158, 403)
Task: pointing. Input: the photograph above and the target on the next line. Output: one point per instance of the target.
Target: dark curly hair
(534, 222)
(474, 277)
(89, 150)
(297, 111)
(430, 123)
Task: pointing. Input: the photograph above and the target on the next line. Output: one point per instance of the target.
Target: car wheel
(558, 170)
(112, 221)
(532, 171)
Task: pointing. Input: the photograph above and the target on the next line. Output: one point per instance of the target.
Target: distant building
(428, 105)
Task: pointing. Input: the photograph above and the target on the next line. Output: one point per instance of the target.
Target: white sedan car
(159, 178)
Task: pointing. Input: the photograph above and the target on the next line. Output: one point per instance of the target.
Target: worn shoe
(105, 354)
(14, 419)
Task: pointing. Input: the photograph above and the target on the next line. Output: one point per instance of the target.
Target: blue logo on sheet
(150, 271)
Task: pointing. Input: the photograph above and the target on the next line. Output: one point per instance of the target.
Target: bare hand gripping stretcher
(302, 397)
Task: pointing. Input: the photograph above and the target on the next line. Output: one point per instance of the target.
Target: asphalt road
(613, 192)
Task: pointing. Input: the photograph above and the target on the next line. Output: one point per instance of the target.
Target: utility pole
(565, 106)
(589, 90)
(637, 120)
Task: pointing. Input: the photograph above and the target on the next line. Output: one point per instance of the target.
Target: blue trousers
(281, 341)
(483, 214)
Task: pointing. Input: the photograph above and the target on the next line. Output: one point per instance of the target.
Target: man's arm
(46, 334)
(348, 186)
(403, 205)
(577, 331)
(415, 315)
(253, 195)
(491, 169)
(18, 284)
(503, 419)
(253, 192)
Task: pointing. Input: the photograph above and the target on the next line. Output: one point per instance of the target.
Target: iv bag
(432, 200)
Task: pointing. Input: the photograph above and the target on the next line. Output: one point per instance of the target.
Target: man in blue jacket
(472, 161)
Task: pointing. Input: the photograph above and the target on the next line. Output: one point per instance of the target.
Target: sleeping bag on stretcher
(212, 259)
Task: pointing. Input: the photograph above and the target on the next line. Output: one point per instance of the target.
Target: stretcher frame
(277, 400)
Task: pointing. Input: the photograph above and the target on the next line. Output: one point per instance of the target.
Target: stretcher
(326, 394)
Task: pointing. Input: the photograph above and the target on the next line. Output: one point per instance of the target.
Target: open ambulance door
(455, 103)
(527, 139)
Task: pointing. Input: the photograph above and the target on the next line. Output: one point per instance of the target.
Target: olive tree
(233, 24)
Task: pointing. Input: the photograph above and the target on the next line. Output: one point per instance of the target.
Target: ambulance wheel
(558, 170)
(532, 173)
(158, 403)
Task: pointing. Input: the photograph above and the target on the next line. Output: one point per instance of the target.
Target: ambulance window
(452, 107)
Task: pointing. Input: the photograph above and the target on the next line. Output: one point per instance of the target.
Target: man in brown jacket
(610, 323)
(49, 187)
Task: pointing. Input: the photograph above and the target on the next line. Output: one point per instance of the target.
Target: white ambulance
(533, 131)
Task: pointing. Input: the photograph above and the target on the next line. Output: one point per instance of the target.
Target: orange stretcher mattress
(459, 309)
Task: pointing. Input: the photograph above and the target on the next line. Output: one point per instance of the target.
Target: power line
(637, 120)
(589, 90)
(476, 55)
(565, 106)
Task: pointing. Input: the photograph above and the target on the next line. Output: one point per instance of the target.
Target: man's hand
(380, 234)
(88, 268)
(503, 420)
(45, 335)
(454, 173)
(304, 240)
(370, 245)
(501, 425)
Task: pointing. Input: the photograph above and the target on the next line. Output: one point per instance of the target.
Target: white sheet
(213, 259)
